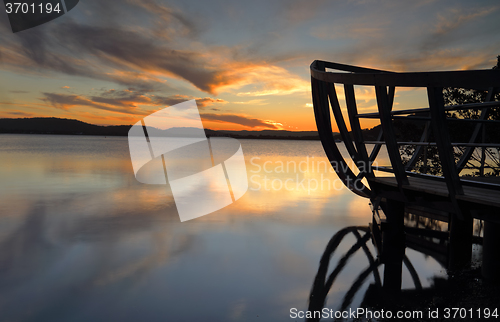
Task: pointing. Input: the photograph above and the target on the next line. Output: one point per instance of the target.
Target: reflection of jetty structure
(448, 195)
(323, 282)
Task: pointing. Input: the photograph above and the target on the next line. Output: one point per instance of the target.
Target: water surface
(82, 240)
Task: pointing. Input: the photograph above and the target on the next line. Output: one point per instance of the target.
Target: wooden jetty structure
(449, 196)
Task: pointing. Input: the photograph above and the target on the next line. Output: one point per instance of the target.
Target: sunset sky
(246, 62)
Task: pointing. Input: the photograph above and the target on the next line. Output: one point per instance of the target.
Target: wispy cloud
(359, 30)
(449, 26)
(65, 102)
(298, 11)
(258, 101)
(126, 101)
(459, 17)
(241, 120)
(270, 80)
(202, 102)
(170, 22)
(13, 114)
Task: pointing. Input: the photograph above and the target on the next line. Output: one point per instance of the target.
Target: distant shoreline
(59, 126)
(210, 136)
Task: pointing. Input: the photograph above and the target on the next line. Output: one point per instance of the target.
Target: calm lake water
(82, 240)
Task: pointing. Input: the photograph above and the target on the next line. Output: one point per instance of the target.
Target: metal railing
(435, 120)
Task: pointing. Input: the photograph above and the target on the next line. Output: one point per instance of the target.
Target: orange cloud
(123, 101)
(266, 79)
(15, 114)
(64, 102)
(258, 101)
(202, 102)
(241, 120)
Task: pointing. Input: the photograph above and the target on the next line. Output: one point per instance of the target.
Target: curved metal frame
(324, 96)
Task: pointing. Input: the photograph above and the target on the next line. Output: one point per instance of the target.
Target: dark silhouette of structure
(452, 196)
(377, 295)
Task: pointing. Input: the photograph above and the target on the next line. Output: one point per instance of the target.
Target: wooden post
(460, 247)
(393, 245)
(491, 252)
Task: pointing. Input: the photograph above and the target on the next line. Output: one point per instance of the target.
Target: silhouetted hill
(266, 134)
(54, 125)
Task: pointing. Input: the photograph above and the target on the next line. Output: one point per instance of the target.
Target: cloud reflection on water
(81, 240)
